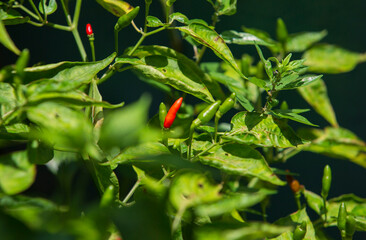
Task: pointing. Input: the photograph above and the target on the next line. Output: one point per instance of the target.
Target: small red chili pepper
(89, 30)
(172, 113)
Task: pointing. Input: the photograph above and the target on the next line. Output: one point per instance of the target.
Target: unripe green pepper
(162, 114)
(126, 19)
(300, 231)
(350, 226)
(327, 179)
(169, 3)
(226, 105)
(341, 219)
(108, 197)
(206, 115)
(148, 2)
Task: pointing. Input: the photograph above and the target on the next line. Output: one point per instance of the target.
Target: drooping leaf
(49, 8)
(240, 159)
(262, 130)
(316, 95)
(153, 21)
(335, 142)
(16, 173)
(123, 127)
(6, 40)
(292, 114)
(190, 189)
(116, 7)
(356, 206)
(242, 38)
(293, 220)
(226, 7)
(164, 65)
(327, 58)
(62, 126)
(299, 42)
(231, 202)
(236, 231)
(11, 16)
(211, 39)
(63, 76)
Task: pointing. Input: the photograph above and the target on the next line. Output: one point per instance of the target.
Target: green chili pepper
(206, 115)
(108, 197)
(327, 179)
(126, 19)
(226, 105)
(350, 226)
(341, 220)
(169, 3)
(162, 114)
(300, 231)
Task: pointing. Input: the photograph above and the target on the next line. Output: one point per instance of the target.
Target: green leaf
(177, 16)
(293, 220)
(6, 40)
(292, 114)
(17, 131)
(11, 16)
(236, 231)
(275, 47)
(164, 65)
(240, 159)
(262, 130)
(299, 42)
(190, 189)
(77, 98)
(150, 184)
(8, 99)
(294, 81)
(316, 95)
(242, 38)
(48, 9)
(16, 173)
(226, 7)
(62, 126)
(336, 142)
(39, 153)
(153, 21)
(63, 76)
(211, 39)
(327, 58)
(266, 63)
(116, 7)
(356, 206)
(123, 127)
(231, 202)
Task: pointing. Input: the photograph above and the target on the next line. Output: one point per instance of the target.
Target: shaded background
(345, 21)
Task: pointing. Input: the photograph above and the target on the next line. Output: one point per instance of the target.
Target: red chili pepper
(89, 30)
(172, 113)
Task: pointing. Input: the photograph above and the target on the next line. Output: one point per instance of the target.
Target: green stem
(165, 137)
(132, 191)
(206, 150)
(298, 201)
(77, 12)
(147, 8)
(178, 218)
(191, 131)
(91, 41)
(29, 12)
(79, 43)
(59, 27)
(116, 41)
(44, 11)
(36, 10)
(325, 210)
(216, 127)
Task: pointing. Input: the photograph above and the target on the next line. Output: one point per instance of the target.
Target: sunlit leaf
(295, 81)
(262, 130)
(16, 173)
(211, 39)
(316, 95)
(242, 38)
(226, 7)
(292, 114)
(6, 40)
(116, 7)
(299, 42)
(153, 21)
(326, 58)
(242, 160)
(49, 8)
(164, 65)
(177, 16)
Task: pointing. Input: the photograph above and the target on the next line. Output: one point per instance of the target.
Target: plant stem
(216, 127)
(77, 13)
(36, 10)
(116, 41)
(147, 8)
(44, 11)
(178, 218)
(132, 191)
(298, 201)
(325, 210)
(91, 41)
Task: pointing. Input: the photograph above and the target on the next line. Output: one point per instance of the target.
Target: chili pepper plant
(206, 169)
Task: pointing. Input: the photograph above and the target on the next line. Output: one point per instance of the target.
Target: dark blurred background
(345, 21)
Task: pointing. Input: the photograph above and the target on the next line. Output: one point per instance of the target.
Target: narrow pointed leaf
(299, 42)
(242, 38)
(6, 40)
(242, 160)
(262, 130)
(316, 95)
(327, 58)
(211, 39)
(292, 114)
(294, 81)
(11, 16)
(153, 21)
(116, 7)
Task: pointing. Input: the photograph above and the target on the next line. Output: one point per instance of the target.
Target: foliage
(199, 180)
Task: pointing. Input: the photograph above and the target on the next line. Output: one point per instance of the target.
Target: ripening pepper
(172, 113)
(89, 30)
